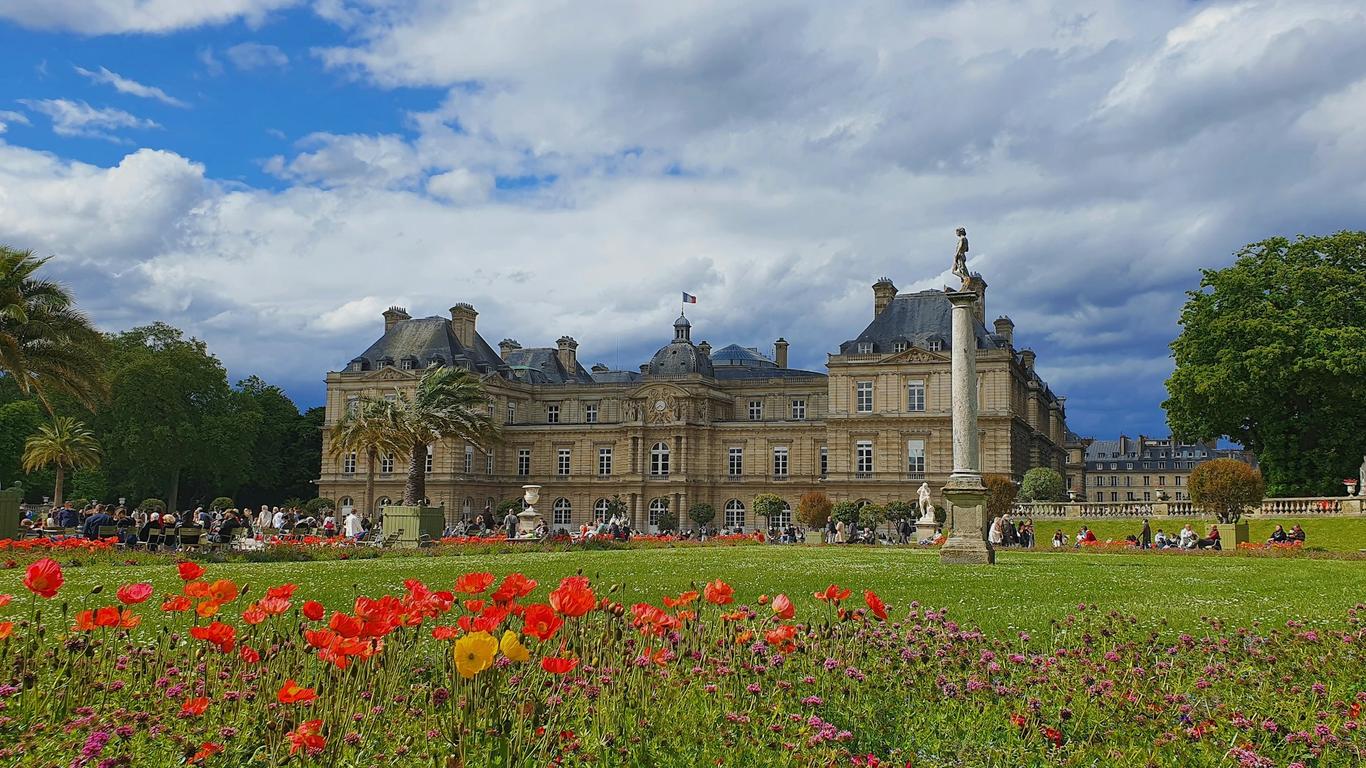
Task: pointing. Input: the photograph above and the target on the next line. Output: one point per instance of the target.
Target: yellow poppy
(474, 653)
(512, 647)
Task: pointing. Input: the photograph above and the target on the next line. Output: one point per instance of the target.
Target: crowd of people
(1185, 538)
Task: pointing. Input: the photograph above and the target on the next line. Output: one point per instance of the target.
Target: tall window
(561, 511)
(863, 397)
(915, 459)
(915, 395)
(1178, 481)
(512, 413)
(562, 461)
(863, 457)
(1146, 479)
(1114, 481)
(825, 461)
(552, 414)
(469, 459)
(798, 410)
(756, 410)
(659, 459)
(349, 463)
(467, 508)
(657, 508)
(735, 514)
(523, 461)
(1128, 480)
(780, 461)
(604, 461)
(386, 464)
(737, 462)
(600, 508)
(1161, 479)
(430, 459)
(590, 413)
(488, 463)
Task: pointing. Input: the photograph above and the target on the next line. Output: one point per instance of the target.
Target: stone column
(964, 492)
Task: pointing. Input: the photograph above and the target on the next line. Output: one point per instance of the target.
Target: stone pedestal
(926, 529)
(967, 543)
(965, 493)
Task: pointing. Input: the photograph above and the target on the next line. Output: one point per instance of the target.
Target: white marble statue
(924, 495)
(1361, 478)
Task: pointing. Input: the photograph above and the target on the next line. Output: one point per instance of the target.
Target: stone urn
(529, 518)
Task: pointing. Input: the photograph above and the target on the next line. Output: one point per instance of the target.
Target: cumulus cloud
(77, 118)
(105, 17)
(345, 160)
(249, 56)
(461, 186)
(128, 86)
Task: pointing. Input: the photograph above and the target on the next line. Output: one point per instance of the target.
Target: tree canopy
(1042, 484)
(1226, 487)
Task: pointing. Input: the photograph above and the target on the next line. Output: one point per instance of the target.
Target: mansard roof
(541, 365)
(917, 318)
(428, 341)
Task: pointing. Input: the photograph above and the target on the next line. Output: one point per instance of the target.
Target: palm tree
(368, 429)
(65, 444)
(46, 345)
(449, 402)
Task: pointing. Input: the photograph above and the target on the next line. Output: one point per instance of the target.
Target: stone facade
(1129, 469)
(697, 424)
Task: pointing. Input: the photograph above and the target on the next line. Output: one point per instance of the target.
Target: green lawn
(1335, 534)
(1023, 591)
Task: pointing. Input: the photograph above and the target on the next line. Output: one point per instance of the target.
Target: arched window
(659, 459)
(488, 503)
(735, 514)
(467, 508)
(600, 508)
(345, 503)
(561, 511)
(782, 519)
(657, 509)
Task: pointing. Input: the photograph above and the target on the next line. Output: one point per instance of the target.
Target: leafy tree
(368, 431)
(64, 444)
(702, 514)
(286, 456)
(47, 347)
(900, 510)
(813, 509)
(508, 505)
(90, 482)
(1225, 487)
(221, 503)
(153, 505)
(872, 515)
(845, 512)
(667, 520)
(1042, 484)
(319, 505)
(766, 505)
(1271, 356)
(18, 420)
(1001, 493)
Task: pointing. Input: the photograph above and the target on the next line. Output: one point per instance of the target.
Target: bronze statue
(960, 258)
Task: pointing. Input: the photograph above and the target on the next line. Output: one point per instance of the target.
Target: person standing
(510, 523)
(1145, 536)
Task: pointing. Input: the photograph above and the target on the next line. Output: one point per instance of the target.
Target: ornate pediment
(390, 373)
(916, 355)
(657, 404)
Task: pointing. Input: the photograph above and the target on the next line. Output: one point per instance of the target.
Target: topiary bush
(1042, 484)
(1226, 487)
(813, 509)
(766, 505)
(702, 514)
(845, 512)
(221, 503)
(1001, 493)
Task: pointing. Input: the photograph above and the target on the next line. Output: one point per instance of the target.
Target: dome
(737, 356)
(680, 358)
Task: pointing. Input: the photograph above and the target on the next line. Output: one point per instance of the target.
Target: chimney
(462, 323)
(1027, 360)
(600, 368)
(883, 293)
(979, 286)
(507, 347)
(780, 352)
(1005, 328)
(704, 348)
(393, 316)
(568, 353)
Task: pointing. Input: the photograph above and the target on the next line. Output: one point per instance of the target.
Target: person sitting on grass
(1278, 536)
(1059, 539)
(1188, 537)
(1297, 534)
(1211, 540)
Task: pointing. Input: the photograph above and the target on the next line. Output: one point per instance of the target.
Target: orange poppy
(473, 583)
(540, 621)
(573, 597)
(194, 707)
(293, 693)
(718, 593)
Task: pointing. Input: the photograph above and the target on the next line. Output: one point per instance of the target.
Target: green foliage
(221, 503)
(319, 505)
(153, 505)
(508, 505)
(1225, 487)
(18, 420)
(1042, 484)
(702, 514)
(616, 507)
(667, 520)
(65, 445)
(1271, 356)
(766, 505)
(90, 483)
(286, 456)
(900, 510)
(845, 512)
(813, 509)
(1001, 493)
(872, 515)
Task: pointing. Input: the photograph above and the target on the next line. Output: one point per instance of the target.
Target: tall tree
(63, 444)
(449, 402)
(367, 430)
(46, 346)
(1271, 355)
(286, 457)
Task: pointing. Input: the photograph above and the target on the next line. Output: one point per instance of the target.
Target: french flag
(688, 298)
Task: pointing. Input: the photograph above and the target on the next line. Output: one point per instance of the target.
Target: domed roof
(680, 358)
(734, 355)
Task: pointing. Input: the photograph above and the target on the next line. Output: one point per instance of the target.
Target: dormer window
(386, 362)
(936, 345)
(407, 363)
(865, 347)
(898, 346)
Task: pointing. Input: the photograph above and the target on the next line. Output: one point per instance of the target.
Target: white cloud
(382, 161)
(461, 186)
(131, 87)
(249, 56)
(77, 118)
(9, 116)
(106, 17)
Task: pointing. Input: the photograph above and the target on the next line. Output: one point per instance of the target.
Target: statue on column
(960, 257)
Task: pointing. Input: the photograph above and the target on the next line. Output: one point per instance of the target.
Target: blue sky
(271, 174)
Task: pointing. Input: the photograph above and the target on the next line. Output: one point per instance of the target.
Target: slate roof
(917, 318)
(615, 377)
(734, 355)
(680, 358)
(426, 341)
(541, 365)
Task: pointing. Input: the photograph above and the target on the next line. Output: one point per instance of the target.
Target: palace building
(697, 424)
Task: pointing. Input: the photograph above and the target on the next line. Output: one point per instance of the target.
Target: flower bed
(488, 671)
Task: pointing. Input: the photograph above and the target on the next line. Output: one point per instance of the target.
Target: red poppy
(44, 578)
(293, 693)
(473, 583)
(282, 592)
(4, 600)
(194, 707)
(651, 621)
(474, 606)
(107, 616)
(683, 599)
(783, 607)
(217, 633)
(132, 594)
(320, 638)
(832, 594)
(445, 632)
(573, 597)
(556, 665)
(308, 737)
(540, 621)
(175, 604)
(206, 750)
(248, 654)
(1053, 735)
(190, 571)
(6, 629)
(314, 611)
(875, 604)
(274, 605)
(514, 587)
(253, 615)
(344, 625)
(718, 593)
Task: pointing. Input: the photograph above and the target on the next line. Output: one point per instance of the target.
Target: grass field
(1023, 591)
(1335, 534)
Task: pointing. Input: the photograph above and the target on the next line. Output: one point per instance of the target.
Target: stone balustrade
(1289, 507)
